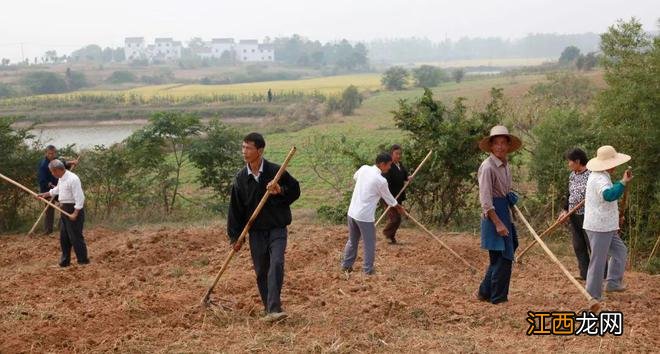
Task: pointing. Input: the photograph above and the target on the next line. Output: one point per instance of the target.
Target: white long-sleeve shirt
(70, 190)
(370, 187)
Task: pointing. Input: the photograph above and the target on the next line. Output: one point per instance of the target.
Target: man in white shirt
(370, 187)
(72, 200)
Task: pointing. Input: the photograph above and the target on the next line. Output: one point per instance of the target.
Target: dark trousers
(49, 218)
(580, 243)
(71, 236)
(495, 286)
(393, 223)
(267, 249)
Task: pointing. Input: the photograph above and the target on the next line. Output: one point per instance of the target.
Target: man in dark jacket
(47, 181)
(268, 234)
(396, 178)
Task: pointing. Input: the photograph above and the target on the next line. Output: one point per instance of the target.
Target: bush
(428, 76)
(561, 130)
(42, 82)
(458, 75)
(19, 164)
(121, 77)
(6, 90)
(452, 134)
(217, 156)
(395, 78)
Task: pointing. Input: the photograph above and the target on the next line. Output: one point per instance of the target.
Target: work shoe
(614, 289)
(274, 317)
(479, 297)
(347, 269)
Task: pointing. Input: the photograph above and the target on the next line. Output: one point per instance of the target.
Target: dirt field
(142, 290)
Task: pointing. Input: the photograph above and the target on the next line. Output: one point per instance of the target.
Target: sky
(29, 28)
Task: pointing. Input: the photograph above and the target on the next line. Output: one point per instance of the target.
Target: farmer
(498, 234)
(396, 177)
(601, 221)
(370, 187)
(577, 185)
(47, 181)
(268, 234)
(72, 199)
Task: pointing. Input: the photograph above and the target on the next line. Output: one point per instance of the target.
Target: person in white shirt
(370, 187)
(72, 199)
(601, 221)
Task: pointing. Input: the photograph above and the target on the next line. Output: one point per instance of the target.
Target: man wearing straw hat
(498, 234)
(601, 221)
(72, 199)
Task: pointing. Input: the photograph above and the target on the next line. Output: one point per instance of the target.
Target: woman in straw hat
(498, 234)
(601, 221)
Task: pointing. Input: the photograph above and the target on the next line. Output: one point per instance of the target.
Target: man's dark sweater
(246, 193)
(396, 177)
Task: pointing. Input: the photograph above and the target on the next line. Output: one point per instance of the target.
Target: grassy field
(372, 123)
(324, 85)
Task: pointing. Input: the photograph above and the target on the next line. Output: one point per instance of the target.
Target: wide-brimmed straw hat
(606, 158)
(500, 130)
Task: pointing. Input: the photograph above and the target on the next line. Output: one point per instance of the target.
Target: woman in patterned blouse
(577, 185)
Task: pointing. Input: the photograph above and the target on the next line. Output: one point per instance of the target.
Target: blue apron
(490, 239)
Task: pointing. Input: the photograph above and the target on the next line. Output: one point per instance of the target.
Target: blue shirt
(44, 176)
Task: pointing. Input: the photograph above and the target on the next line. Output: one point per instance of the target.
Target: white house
(247, 50)
(134, 48)
(220, 45)
(266, 52)
(166, 49)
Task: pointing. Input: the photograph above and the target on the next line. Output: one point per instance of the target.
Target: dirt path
(141, 294)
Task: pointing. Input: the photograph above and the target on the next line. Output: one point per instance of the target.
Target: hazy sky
(65, 25)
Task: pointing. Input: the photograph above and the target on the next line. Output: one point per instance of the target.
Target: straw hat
(500, 130)
(606, 158)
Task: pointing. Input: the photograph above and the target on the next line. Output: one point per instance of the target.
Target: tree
(118, 55)
(428, 76)
(5, 61)
(121, 76)
(75, 80)
(217, 157)
(42, 82)
(452, 134)
(458, 75)
(628, 110)
(168, 136)
(395, 78)
(109, 185)
(18, 161)
(6, 90)
(569, 55)
(107, 55)
(350, 100)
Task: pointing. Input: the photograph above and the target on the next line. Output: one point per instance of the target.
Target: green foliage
(628, 111)
(41, 82)
(299, 51)
(217, 156)
(75, 80)
(108, 181)
(19, 164)
(395, 78)
(122, 76)
(458, 75)
(167, 133)
(561, 130)
(350, 100)
(569, 55)
(6, 90)
(428, 76)
(452, 134)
